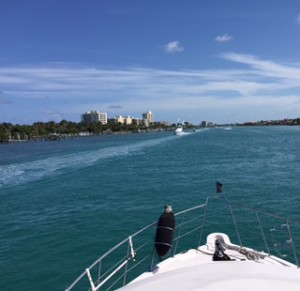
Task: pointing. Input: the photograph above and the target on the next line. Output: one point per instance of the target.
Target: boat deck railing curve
(136, 254)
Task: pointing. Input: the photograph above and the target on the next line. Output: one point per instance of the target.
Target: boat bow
(191, 265)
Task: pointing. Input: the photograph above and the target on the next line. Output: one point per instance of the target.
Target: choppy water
(62, 204)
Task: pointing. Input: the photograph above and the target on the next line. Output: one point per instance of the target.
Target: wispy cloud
(223, 38)
(253, 86)
(173, 47)
(298, 18)
(267, 68)
(115, 107)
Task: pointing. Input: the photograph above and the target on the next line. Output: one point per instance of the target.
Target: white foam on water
(20, 173)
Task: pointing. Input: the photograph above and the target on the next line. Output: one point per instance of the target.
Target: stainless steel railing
(135, 254)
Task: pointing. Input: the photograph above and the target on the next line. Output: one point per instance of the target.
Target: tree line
(46, 130)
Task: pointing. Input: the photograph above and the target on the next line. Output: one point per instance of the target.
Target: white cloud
(223, 38)
(173, 47)
(258, 88)
(298, 18)
(266, 68)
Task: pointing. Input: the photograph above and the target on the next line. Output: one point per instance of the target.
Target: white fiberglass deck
(232, 275)
(195, 270)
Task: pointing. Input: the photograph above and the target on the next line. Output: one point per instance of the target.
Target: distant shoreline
(59, 137)
(52, 131)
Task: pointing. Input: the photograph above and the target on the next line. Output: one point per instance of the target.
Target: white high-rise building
(103, 118)
(148, 116)
(94, 117)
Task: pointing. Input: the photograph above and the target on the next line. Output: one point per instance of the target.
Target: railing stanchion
(178, 235)
(152, 260)
(203, 221)
(293, 245)
(90, 279)
(263, 234)
(234, 222)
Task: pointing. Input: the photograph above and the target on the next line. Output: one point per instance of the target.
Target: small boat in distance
(224, 260)
(179, 129)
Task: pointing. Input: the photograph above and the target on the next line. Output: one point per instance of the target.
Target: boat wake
(25, 172)
(184, 133)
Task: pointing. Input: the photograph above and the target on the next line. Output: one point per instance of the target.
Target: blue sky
(222, 61)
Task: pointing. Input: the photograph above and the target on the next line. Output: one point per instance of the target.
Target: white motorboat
(179, 129)
(263, 256)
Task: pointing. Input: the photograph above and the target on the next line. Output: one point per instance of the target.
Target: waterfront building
(148, 117)
(119, 119)
(123, 120)
(138, 121)
(126, 120)
(94, 117)
(103, 118)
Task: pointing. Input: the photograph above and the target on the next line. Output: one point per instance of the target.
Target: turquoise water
(65, 203)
